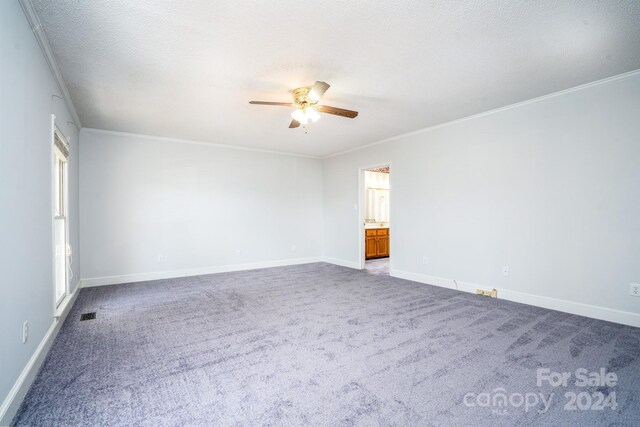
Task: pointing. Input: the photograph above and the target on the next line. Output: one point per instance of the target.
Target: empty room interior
(420, 213)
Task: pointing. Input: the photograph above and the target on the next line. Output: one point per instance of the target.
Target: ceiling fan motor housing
(301, 96)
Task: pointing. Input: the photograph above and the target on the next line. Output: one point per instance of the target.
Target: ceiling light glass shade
(312, 114)
(300, 116)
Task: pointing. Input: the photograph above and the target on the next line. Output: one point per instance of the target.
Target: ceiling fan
(306, 99)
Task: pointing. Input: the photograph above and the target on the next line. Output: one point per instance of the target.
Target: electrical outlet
(505, 270)
(160, 258)
(25, 331)
(634, 290)
(293, 248)
(238, 252)
(425, 260)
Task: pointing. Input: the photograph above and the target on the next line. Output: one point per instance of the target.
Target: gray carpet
(321, 345)
(378, 267)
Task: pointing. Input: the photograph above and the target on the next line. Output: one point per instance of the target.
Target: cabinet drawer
(382, 231)
(370, 232)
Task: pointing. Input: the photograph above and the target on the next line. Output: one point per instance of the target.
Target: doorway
(60, 220)
(375, 225)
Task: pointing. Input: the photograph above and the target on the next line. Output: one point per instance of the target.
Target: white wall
(550, 188)
(26, 258)
(195, 204)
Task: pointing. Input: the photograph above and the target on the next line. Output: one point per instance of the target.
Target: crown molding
(489, 112)
(190, 141)
(38, 32)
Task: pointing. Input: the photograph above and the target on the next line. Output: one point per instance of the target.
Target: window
(60, 223)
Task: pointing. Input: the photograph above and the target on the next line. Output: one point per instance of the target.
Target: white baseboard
(341, 262)
(12, 402)
(157, 275)
(587, 310)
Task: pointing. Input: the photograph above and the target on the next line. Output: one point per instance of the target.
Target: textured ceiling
(188, 69)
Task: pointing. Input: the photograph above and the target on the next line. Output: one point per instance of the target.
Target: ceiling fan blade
(294, 124)
(337, 111)
(283, 104)
(317, 90)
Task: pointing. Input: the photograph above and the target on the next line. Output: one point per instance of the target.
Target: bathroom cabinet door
(382, 248)
(371, 247)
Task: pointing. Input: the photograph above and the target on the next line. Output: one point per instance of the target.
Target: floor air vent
(87, 316)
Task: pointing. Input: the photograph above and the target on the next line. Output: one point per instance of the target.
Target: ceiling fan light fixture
(312, 114)
(300, 116)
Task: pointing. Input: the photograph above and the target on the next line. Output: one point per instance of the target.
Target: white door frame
(361, 189)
